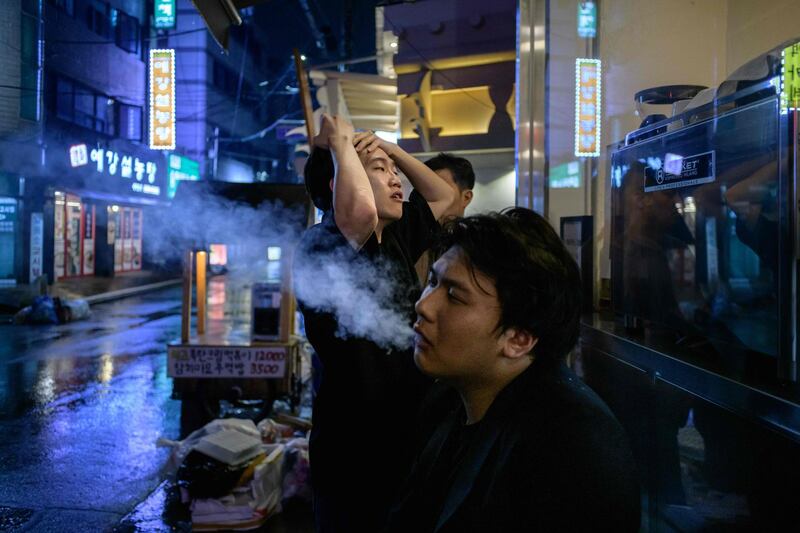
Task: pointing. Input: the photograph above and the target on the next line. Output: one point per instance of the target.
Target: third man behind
(458, 173)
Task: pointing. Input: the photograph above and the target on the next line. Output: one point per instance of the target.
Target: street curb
(130, 291)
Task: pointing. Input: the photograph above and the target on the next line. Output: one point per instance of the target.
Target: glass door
(136, 239)
(59, 232)
(127, 223)
(115, 216)
(126, 238)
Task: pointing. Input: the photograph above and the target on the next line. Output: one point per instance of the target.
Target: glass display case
(703, 231)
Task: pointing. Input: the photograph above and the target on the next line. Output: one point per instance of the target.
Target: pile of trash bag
(53, 310)
(233, 474)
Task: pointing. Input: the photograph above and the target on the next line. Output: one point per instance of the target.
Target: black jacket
(548, 456)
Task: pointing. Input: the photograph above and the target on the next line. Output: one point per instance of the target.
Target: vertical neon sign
(162, 99)
(587, 107)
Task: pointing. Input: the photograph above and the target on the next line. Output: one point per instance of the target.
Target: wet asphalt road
(81, 407)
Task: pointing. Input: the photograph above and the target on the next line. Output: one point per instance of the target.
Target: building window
(67, 6)
(104, 115)
(65, 96)
(83, 106)
(127, 32)
(130, 122)
(98, 18)
(29, 54)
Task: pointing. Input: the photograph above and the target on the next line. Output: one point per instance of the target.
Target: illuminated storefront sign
(164, 14)
(180, 168)
(78, 155)
(790, 79)
(8, 234)
(162, 99)
(587, 107)
(142, 173)
(587, 20)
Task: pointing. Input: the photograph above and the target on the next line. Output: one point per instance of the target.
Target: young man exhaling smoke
(366, 406)
(523, 445)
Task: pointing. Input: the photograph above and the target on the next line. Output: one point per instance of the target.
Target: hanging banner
(587, 107)
(162, 99)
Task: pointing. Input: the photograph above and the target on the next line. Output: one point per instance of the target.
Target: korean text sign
(587, 107)
(162, 99)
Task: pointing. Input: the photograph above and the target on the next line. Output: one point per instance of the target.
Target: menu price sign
(162, 99)
(227, 361)
(587, 107)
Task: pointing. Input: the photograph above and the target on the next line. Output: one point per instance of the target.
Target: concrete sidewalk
(90, 288)
(96, 289)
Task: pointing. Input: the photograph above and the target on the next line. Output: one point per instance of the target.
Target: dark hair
(537, 280)
(318, 175)
(462, 171)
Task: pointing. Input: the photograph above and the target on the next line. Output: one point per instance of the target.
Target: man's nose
(424, 306)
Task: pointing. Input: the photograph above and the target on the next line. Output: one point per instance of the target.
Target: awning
(369, 101)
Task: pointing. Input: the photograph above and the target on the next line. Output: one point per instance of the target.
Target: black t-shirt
(366, 406)
(433, 493)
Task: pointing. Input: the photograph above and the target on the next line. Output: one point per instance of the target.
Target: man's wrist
(391, 149)
(337, 142)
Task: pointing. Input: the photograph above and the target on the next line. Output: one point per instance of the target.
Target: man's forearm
(353, 201)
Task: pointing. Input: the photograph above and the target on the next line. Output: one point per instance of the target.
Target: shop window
(127, 224)
(73, 237)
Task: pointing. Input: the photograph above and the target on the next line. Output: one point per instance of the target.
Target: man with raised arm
(368, 398)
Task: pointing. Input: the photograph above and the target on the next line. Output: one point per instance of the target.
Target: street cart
(244, 348)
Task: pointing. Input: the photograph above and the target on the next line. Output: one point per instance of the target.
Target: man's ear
(518, 342)
(331, 184)
(467, 197)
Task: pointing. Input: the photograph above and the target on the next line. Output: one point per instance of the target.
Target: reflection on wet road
(81, 407)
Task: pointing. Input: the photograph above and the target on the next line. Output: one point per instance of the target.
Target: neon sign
(587, 107)
(112, 163)
(164, 14)
(162, 99)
